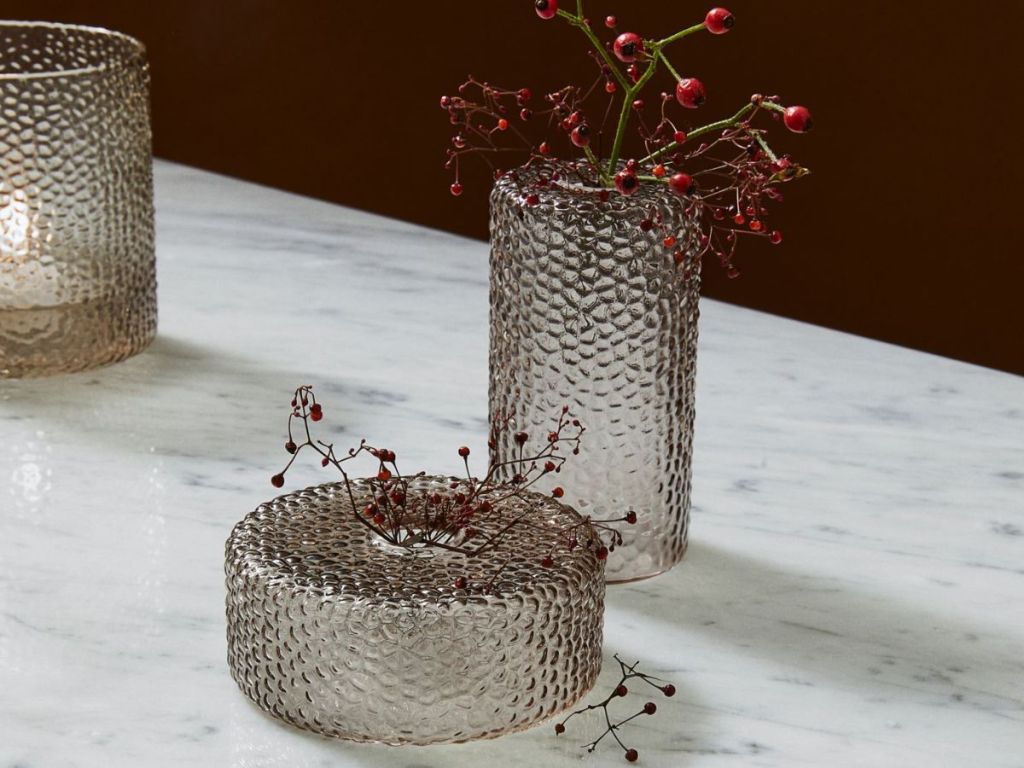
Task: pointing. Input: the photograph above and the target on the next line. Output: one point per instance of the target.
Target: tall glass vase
(591, 308)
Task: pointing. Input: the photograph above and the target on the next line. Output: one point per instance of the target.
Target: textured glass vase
(77, 267)
(332, 629)
(590, 309)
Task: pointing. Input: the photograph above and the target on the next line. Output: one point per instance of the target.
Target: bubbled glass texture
(591, 311)
(77, 266)
(333, 630)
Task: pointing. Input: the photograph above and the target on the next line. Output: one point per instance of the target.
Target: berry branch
(473, 515)
(628, 672)
(725, 181)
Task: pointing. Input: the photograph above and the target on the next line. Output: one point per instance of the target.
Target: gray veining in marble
(853, 596)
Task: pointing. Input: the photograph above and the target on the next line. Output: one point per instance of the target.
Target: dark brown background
(908, 231)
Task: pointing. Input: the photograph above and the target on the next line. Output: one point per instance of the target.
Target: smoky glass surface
(590, 310)
(77, 266)
(333, 630)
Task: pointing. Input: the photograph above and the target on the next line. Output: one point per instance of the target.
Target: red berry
(503, 124)
(659, 171)
(523, 96)
(610, 22)
(634, 72)
(679, 137)
(669, 690)
(547, 561)
(602, 553)
(379, 519)
(456, 189)
(798, 119)
(532, 200)
(627, 47)
(464, 451)
(277, 481)
(544, 148)
(621, 690)
(559, 728)
(460, 582)
(610, 87)
(291, 447)
(679, 257)
(632, 755)
(740, 219)
(650, 708)
(631, 517)
(638, 104)
(546, 9)
(521, 437)
(525, 114)
(719, 21)
(549, 466)
(384, 474)
(558, 492)
(580, 135)
(690, 92)
(681, 183)
(756, 225)
(775, 237)
(316, 414)
(669, 241)
(446, 101)
(626, 182)
(324, 461)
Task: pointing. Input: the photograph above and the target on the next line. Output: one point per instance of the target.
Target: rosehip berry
(464, 451)
(558, 492)
(659, 171)
(626, 182)
(503, 124)
(632, 755)
(650, 708)
(627, 47)
(610, 22)
(798, 119)
(681, 183)
(547, 561)
(546, 9)
(775, 237)
(315, 413)
(679, 137)
(456, 189)
(291, 447)
(580, 135)
(669, 241)
(690, 92)
(559, 728)
(460, 582)
(719, 21)
(544, 148)
(549, 466)
(740, 219)
(631, 517)
(669, 690)
(277, 481)
(384, 474)
(621, 690)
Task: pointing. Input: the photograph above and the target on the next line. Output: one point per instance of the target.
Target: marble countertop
(853, 594)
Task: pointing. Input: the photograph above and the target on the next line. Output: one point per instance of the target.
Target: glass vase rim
(138, 50)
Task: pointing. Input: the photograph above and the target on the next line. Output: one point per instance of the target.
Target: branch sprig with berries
(724, 172)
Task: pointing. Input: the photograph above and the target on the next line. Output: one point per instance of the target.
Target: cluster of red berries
(470, 516)
(730, 192)
(628, 672)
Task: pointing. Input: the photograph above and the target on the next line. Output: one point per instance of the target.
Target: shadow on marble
(177, 398)
(261, 741)
(813, 627)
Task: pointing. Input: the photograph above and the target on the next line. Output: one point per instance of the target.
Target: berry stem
(668, 65)
(680, 35)
(577, 21)
(718, 125)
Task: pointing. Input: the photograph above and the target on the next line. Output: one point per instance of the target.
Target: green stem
(577, 21)
(668, 66)
(728, 122)
(680, 35)
(764, 145)
(627, 104)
